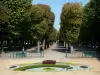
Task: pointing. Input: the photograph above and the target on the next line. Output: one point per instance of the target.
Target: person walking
(41, 51)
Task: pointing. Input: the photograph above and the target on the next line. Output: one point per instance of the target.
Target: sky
(56, 7)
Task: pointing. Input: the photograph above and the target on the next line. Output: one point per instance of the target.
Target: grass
(67, 63)
(41, 65)
(70, 63)
(30, 64)
(48, 69)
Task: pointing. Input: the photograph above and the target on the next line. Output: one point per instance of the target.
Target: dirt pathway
(52, 53)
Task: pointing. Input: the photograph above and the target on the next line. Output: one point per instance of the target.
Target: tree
(3, 24)
(71, 18)
(90, 25)
(18, 18)
(50, 28)
(85, 31)
(24, 21)
(42, 19)
(53, 35)
(39, 23)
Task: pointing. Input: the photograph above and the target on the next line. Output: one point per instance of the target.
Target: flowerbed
(49, 62)
(50, 65)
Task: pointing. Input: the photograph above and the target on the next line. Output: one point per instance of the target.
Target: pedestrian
(41, 51)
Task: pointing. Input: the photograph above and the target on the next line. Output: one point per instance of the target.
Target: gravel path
(52, 53)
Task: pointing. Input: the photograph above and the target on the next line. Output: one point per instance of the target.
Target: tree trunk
(64, 44)
(69, 49)
(46, 44)
(14, 44)
(2, 46)
(43, 44)
(38, 44)
(8, 43)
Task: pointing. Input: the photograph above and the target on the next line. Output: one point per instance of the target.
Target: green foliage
(49, 69)
(42, 19)
(71, 18)
(3, 14)
(40, 65)
(39, 23)
(84, 27)
(41, 29)
(3, 22)
(90, 24)
(18, 13)
(20, 20)
(53, 35)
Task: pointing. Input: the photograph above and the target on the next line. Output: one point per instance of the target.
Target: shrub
(83, 66)
(14, 66)
(49, 62)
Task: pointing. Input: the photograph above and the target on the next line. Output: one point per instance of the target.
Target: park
(49, 37)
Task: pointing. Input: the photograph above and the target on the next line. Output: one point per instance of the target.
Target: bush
(14, 66)
(83, 66)
(49, 62)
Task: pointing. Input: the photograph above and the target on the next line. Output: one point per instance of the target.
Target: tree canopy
(71, 18)
(90, 24)
(20, 21)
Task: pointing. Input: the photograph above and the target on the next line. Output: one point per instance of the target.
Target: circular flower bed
(23, 68)
(49, 65)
